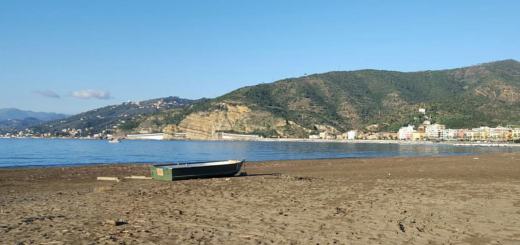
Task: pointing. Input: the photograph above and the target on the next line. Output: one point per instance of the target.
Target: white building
(405, 133)
(229, 136)
(435, 131)
(353, 134)
(159, 136)
(516, 133)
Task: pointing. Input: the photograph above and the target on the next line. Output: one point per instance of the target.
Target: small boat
(114, 140)
(178, 171)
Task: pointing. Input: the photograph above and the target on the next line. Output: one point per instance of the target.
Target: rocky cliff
(228, 118)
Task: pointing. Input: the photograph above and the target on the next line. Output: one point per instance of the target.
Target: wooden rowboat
(178, 171)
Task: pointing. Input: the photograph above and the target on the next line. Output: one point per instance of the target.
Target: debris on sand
(115, 222)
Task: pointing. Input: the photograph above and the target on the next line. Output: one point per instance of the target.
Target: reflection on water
(57, 152)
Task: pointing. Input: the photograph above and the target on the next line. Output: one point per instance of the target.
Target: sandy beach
(417, 200)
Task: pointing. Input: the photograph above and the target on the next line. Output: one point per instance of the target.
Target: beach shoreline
(471, 199)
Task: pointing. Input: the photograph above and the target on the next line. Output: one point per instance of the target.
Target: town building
(418, 135)
(405, 133)
(435, 131)
(353, 134)
(515, 133)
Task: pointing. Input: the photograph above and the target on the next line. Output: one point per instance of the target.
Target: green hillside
(486, 94)
(125, 116)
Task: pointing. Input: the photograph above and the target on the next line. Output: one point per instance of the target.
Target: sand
(416, 200)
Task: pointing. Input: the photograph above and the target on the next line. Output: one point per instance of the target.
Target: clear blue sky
(114, 51)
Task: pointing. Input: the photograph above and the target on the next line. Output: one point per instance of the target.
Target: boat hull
(195, 170)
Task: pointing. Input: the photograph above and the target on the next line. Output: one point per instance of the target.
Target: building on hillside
(422, 110)
(435, 131)
(405, 133)
(418, 135)
(314, 137)
(353, 134)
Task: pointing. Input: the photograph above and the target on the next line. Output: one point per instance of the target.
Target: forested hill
(485, 94)
(109, 117)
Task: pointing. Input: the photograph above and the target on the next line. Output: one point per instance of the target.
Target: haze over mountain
(485, 94)
(13, 113)
(13, 119)
(108, 117)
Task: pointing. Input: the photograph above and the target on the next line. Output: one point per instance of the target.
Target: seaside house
(471, 135)
(405, 133)
(516, 133)
(353, 134)
(418, 135)
(501, 133)
(452, 134)
(435, 131)
(483, 133)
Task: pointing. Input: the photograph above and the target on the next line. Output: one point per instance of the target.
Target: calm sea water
(68, 152)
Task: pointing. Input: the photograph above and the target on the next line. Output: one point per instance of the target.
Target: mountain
(12, 119)
(108, 117)
(14, 124)
(13, 113)
(484, 94)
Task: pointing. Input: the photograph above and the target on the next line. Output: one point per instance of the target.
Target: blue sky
(73, 56)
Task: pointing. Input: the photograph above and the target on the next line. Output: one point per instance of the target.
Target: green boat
(179, 171)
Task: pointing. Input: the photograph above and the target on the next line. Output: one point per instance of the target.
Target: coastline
(432, 199)
(400, 142)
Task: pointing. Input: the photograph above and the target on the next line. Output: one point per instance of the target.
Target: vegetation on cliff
(485, 94)
(126, 116)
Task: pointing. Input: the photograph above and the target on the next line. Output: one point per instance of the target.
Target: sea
(72, 152)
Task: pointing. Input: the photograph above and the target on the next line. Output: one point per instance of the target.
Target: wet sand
(416, 200)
